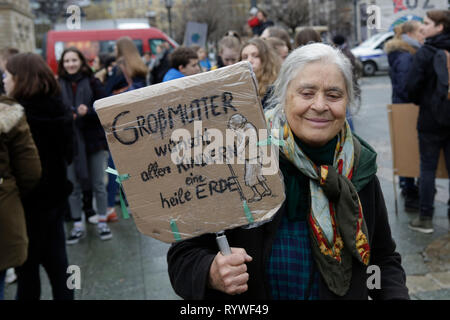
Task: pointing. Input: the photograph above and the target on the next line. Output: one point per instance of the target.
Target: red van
(93, 42)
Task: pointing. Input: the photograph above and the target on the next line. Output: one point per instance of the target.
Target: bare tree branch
(52, 10)
(219, 15)
(291, 13)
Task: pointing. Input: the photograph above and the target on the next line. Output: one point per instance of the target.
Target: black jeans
(430, 146)
(47, 246)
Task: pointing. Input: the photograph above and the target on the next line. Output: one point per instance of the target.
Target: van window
(91, 49)
(154, 43)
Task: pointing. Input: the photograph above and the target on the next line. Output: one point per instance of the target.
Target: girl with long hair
(265, 63)
(131, 72)
(79, 90)
(31, 83)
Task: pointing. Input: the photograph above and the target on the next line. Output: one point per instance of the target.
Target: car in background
(372, 55)
(93, 42)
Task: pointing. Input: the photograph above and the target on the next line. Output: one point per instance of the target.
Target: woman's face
(71, 62)
(430, 29)
(417, 33)
(283, 52)
(96, 63)
(229, 56)
(201, 53)
(251, 54)
(8, 82)
(316, 101)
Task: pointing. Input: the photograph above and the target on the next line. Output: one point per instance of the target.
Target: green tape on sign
(271, 140)
(248, 213)
(175, 231)
(119, 180)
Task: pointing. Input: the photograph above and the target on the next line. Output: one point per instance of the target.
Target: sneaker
(421, 225)
(75, 236)
(111, 215)
(93, 219)
(104, 232)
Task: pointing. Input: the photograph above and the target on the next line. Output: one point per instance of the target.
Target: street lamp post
(169, 5)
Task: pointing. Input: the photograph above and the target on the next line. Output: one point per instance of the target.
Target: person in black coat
(295, 255)
(400, 51)
(428, 87)
(264, 23)
(31, 82)
(79, 91)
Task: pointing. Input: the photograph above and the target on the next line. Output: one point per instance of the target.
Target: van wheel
(369, 68)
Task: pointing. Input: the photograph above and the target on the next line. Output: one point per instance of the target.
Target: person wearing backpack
(401, 50)
(428, 87)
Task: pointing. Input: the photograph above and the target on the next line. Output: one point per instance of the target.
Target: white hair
(300, 58)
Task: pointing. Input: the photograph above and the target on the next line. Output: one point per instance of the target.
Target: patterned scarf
(336, 221)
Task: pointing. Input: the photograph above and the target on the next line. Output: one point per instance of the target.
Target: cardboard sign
(177, 187)
(405, 142)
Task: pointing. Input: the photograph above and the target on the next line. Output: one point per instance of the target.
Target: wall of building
(16, 24)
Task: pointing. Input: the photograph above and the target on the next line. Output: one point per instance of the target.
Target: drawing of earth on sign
(195, 38)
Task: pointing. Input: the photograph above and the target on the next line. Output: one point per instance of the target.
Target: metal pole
(355, 15)
(222, 243)
(170, 21)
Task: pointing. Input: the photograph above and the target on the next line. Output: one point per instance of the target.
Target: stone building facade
(16, 25)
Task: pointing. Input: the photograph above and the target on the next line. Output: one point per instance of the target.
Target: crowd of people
(419, 71)
(54, 154)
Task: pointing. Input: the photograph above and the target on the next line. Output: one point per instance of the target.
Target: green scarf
(336, 222)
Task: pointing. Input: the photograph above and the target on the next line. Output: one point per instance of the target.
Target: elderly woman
(334, 223)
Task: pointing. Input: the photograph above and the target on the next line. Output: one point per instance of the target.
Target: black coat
(189, 261)
(259, 29)
(52, 133)
(116, 81)
(422, 84)
(93, 132)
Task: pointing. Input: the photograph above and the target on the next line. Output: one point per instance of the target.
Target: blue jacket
(400, 57)
(172, 74)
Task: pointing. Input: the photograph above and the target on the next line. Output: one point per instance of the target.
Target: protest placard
(405, 142)
(194, 166)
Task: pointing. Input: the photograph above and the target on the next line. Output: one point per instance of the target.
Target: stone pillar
(16, 25)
